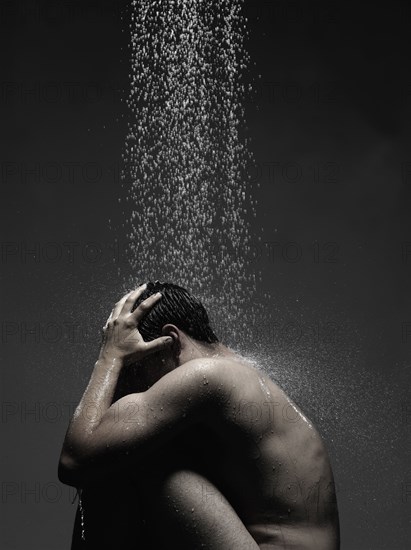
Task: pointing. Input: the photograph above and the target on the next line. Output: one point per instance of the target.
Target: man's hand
(121, 338)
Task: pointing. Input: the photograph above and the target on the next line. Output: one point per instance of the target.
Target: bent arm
(138, 424)
(96, 400)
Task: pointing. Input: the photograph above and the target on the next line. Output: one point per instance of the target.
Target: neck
(198, 350)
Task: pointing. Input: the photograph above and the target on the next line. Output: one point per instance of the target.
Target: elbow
(68, 471)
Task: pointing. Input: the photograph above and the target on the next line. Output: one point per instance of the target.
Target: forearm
(95, 402)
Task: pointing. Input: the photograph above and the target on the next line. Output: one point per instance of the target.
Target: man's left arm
(139, 424)
(103, 436)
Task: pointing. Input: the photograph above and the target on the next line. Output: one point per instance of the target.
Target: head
(183, 317)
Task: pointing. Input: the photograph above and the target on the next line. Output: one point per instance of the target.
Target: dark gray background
(330, 128)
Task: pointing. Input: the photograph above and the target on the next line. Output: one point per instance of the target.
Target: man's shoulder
(220, 372)
(215, 366)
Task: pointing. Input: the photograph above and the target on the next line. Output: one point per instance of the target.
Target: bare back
(263, 455)
(275, 468)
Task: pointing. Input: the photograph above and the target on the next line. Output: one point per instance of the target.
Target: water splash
(188, 199)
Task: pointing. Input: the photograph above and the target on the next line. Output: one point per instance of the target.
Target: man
(215, 454)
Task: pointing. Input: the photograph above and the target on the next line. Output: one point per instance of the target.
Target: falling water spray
(188, 200)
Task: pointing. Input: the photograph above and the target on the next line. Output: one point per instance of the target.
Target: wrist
(109, 359)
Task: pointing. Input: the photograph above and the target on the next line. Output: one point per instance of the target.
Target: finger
(131, 298)
(119, 306)
(145, 306)
(108, 320)
(158, 344)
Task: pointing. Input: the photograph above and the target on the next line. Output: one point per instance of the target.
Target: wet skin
(250, 473)
(211, 454)
(260, 452)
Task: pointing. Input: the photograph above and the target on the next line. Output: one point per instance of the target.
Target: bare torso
(257, 450)
(266, 458)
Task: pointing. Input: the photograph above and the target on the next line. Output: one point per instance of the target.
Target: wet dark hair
(178, 307)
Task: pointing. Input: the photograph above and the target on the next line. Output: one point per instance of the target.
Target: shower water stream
(188, 202)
